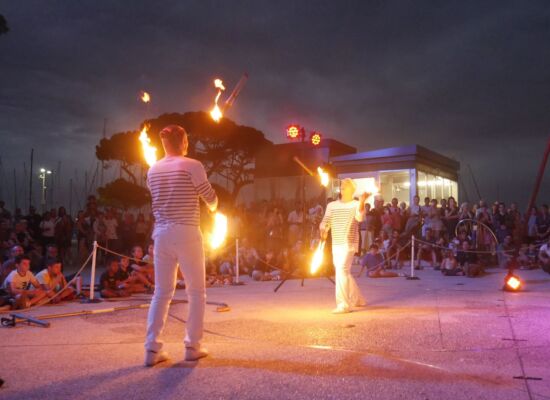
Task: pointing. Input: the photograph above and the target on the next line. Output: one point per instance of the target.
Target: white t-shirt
(545, 249)
(48, 228)
(21, 282)
(110, 231)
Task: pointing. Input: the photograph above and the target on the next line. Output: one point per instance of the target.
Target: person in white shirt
(342, 217)
(177, 183)
(22, 284)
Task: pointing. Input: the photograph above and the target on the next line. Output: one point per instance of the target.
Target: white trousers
(347, 292)
(177, 244)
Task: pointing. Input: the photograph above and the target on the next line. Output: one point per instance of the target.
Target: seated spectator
(142, 268)
(449, 265)
(19, 282)
(130, 280)
(54, 283)
(544, 257)
(533, 255)
(9, 265)
(374, 262)
(523, 260)
(467, 260)
(110, 285)
(427, 250)
(507, 253)
(248, 257)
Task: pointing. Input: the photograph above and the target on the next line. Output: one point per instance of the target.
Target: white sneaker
(154, 357)
(339, 310)
(192, 354)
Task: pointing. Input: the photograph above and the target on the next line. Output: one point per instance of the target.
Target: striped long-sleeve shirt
(176, 184)
(343, 220)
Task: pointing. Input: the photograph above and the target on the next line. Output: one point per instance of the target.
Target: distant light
(42, 170)
(293, 132)
(315, 138)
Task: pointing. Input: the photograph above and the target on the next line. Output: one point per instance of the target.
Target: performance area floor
(436, 338)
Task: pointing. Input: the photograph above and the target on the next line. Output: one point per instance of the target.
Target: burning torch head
(174, 140)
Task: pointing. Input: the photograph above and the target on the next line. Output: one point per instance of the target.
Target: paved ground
(436, 338)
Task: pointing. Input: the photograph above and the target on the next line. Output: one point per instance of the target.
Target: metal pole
(412, 256)
(30, 178)
(92, 278)
(412, 277)
(237, 260)
(539, 178)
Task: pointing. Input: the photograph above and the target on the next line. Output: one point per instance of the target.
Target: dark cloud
(469, 79)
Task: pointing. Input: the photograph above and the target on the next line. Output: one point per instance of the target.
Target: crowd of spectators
(275, 241)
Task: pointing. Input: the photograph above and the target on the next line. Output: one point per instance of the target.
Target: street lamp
(42, 176)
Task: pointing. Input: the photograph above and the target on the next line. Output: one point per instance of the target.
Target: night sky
(468, 79)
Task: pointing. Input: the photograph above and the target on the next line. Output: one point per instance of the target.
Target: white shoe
(192, 354)
(339, 310)
(154, 357)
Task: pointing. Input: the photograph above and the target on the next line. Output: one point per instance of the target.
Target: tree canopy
(226, 149)
(121, 193)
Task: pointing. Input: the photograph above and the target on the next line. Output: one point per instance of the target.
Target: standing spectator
(111, 226)
(141, 229)
(47, 228)
(501, 222)
(63, 233)
(295, 221)
(275, 224)
(82, 237)
(451, 217)
(532, 230)
(4, 213)
(543, 223)
(414, 217)
(435, 219)
(127, 230)
(34, 220)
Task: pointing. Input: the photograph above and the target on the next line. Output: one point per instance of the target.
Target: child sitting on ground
(110, 283)
(142, 268)
(374, 262)
(449, 265)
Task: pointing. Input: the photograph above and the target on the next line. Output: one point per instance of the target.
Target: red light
(293, 132)
(315, 138)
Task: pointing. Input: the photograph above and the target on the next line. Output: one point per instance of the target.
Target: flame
(324, 176)
(216, 113)
(149, 152)
(513, 282)
(219, 232)
(145, 97)
(317, 259)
